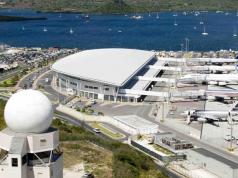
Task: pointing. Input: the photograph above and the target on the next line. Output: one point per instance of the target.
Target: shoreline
(6, 18)
(161, 53)
(132, 11)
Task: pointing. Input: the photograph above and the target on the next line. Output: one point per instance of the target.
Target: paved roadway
(11, 73)
(29, 79)
(77, 122)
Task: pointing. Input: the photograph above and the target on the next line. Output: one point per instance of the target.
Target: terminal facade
(94, 87)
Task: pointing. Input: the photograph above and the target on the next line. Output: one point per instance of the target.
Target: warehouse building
(104, 73)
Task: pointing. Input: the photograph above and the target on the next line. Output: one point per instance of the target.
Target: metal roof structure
(113, 66)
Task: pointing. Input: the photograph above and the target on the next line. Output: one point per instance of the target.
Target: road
(201, 144)
(11, 73)
(77, 122)
(28, 80)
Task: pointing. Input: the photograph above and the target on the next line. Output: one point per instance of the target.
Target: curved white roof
(112, 66)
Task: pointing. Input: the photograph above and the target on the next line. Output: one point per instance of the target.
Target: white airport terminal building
(111, 74)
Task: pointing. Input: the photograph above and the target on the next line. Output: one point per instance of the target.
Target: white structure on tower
(29, 147)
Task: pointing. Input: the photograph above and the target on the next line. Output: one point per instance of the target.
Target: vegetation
(122, 6)
(2, 122)
(163, 150)
(114, 135)
(10, 82)
(126, 162)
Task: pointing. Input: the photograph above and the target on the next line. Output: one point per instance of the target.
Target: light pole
(187, 44)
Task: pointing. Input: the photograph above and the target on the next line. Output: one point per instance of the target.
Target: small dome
(28, 111)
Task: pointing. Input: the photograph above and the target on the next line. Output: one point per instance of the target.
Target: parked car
(228, 138)
(88, 175)
(96, 130)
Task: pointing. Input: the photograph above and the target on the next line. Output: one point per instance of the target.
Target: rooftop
(113, 66)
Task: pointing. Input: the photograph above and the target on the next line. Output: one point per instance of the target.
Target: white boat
(195, 28)
(175, 23)
(197, 13)
(71, 31)
(137, 17)
(204, 32)
(149, 14)
(23, 28)
(119, 31)
(157, 16)
(235, 33)
(175, 15)
(45, 29)
(201, 22)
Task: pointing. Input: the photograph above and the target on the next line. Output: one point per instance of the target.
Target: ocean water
(103, 31)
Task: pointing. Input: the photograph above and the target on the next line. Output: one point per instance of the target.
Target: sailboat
(71, 31)
(235, 33)
(175, 15)
(201, 22)
(175, 23)
(157, 16)
(204, 32)
(23, 28)
(45, 29)
(149, 14)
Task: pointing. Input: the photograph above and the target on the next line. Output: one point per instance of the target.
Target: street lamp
(187, 44)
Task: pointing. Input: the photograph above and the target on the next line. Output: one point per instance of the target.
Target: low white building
(134, 125)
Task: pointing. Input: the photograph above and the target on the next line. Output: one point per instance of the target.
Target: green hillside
(121, 6)
(2, 123)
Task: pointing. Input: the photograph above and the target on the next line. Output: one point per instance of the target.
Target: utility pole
(232, 124)
(187, 44)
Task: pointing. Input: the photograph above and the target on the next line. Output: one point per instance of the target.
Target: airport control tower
(29, 147)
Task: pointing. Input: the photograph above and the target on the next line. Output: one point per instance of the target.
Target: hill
(122, 6)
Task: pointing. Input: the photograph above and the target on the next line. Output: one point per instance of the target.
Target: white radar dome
(28, 111)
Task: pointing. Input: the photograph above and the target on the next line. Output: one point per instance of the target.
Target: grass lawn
(10, 82)
(106, 131)
(163, 150)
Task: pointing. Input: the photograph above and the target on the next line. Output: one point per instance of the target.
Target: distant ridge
(122, 6)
